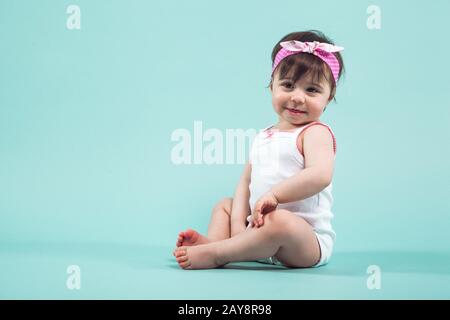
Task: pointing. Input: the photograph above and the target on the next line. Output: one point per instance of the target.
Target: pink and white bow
(320, 49)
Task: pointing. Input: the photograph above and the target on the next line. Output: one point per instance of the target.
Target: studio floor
(119, 271)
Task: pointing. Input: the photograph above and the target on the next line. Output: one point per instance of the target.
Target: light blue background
(86, 117)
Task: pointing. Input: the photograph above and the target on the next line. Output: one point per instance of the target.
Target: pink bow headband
(319, 49)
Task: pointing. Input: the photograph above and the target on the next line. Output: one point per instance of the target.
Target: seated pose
(281, 210)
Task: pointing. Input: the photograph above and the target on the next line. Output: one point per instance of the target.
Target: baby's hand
(267, 203)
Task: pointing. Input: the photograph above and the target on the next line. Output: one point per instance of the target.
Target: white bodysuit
(274, 157)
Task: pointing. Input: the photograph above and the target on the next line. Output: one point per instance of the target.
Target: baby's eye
(312, 88)
(287, 85)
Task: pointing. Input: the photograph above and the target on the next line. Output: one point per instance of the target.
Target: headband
(319, 49)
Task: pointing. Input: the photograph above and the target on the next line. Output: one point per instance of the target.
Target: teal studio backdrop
(87, 118)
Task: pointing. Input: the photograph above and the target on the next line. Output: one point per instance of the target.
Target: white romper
(274, 157)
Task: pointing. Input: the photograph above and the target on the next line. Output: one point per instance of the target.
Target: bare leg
(283, 234)
(219, 226)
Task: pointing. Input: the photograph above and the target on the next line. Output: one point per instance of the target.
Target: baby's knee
(278, 217)
(224, 204)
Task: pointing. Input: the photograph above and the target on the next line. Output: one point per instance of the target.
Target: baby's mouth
(296, 111)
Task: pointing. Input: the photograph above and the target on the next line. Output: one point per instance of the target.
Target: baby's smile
(295, 111)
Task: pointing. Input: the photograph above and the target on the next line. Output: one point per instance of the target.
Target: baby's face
(307, 97)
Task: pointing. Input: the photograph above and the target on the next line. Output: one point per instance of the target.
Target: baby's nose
(299, 97)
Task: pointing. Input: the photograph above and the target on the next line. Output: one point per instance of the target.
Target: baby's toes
(183, 262)
(180, 251)
(185, 265)
(182, 259)
(181, 237)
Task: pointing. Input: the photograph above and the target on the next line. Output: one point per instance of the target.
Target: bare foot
(191, 238)
(197, 257)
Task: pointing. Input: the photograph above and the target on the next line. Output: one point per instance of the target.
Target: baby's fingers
(254, 220)
(257, 219)
(257, 214)
(260, 220)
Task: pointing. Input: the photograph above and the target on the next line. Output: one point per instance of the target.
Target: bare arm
(241, 208)
(318, 172)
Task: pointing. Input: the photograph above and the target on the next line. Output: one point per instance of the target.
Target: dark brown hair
(304, 64)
